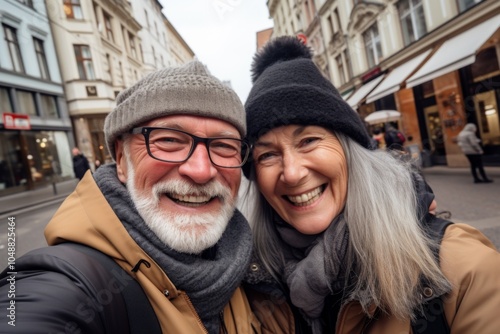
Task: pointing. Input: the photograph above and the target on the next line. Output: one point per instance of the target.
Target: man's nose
(198, 167)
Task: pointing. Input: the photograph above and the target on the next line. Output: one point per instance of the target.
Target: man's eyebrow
(178, 126)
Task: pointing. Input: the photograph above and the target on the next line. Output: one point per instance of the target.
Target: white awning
(393, 80)
(456, 52)
(358, 95)
(346, 95)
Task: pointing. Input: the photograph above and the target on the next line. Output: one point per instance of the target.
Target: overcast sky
(222, 34)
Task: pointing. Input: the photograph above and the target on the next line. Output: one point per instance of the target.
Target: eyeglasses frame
(146, 131)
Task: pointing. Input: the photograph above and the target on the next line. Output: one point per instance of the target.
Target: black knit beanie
(289, 89)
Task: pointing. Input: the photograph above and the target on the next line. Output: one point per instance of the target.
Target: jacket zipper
(194, 312)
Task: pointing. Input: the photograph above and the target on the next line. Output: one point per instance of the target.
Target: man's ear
(121, 161)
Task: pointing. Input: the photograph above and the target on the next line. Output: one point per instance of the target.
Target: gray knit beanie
(186, 90)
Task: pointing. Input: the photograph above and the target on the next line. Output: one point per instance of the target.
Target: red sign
(371, 74)
(16, 121)
(302, 38)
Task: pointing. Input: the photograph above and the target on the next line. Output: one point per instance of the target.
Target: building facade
(435, 61)
(35, 129)
(162, 46)
(99, 50)
(179, 51)
(106, 47)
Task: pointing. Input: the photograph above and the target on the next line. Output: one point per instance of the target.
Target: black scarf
(209, 283)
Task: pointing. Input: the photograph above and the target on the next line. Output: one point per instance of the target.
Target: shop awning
(346, 95)
(393, 80)
(456, 52)
(362, 91)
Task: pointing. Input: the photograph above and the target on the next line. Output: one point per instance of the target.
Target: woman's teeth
(305, 199)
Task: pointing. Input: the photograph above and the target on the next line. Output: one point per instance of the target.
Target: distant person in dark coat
(394, 139)
(80, 163)
(469, 144)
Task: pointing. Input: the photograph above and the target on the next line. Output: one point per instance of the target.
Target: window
(331, 28)
(372, 46)
(156, 30)
(463, 5)
(108, 26)
(5, 101)
(122, 77)
(73, 9)
(340, 65)
(154, 57)
(147, 18)
(142, 52)
(348, 64)
(411, 15)
(49, 105)
(26, 102)
(41, 58)
(110, 72)
(84, 62)
(97, 22)
(13, 46)
(125, 36)
(133, 50)
(336, 19)
(28, 3)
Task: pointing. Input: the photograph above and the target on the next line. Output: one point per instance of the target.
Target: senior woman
(337, 228)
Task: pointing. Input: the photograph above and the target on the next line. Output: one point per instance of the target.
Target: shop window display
(487, 117)
(33, 158)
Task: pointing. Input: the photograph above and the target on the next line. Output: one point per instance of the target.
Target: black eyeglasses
(171, 145)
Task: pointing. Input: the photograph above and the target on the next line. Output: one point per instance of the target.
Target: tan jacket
(85, 217)
(469, 261)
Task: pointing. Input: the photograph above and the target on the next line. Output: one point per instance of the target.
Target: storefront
(35, 140)
(444, 88)
(457, 85)
(30, 159)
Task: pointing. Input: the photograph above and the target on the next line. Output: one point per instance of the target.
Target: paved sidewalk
(475, 204)
(30, 199)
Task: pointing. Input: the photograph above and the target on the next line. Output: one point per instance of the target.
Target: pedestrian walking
(469, 143)
(80, 163)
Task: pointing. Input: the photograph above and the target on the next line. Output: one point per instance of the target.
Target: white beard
(185, 233)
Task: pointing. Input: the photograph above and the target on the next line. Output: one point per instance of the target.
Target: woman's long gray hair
(388, 250)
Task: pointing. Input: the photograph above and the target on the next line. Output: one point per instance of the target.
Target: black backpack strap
(432, 319)
(140, 313)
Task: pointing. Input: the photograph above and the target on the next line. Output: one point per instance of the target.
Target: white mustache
(181, 189)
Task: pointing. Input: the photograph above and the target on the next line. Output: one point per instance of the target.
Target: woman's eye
(309, 140)
(265, 156)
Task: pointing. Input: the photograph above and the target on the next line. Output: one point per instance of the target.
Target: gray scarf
(315, 267)
(209, 282)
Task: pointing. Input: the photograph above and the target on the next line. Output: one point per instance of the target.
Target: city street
(29, 230)
(474, 204)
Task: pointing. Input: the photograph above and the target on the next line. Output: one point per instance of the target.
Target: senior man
(164, 212)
